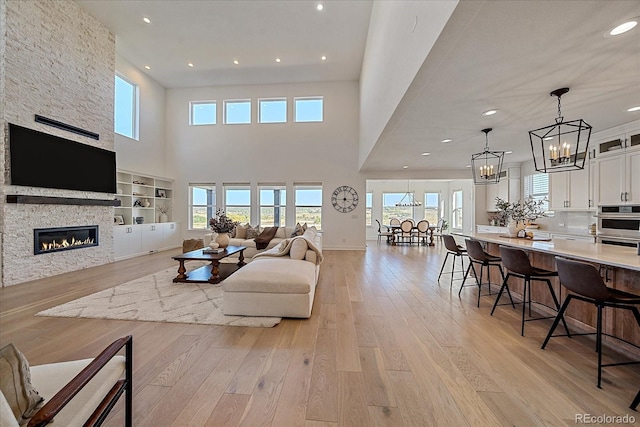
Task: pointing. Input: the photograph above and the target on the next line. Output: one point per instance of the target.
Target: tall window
(368, 215)
(273, 110)
(273, 205)
(432, 207)
(309, 109)
(390, 210)
(202, 113)
(308, 204)
(237, 198)
(456, 209)
(125, 115)
(202, 204)
(536, 186)
(237, 111)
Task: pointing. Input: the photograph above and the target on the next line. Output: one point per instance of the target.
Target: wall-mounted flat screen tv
(38, 159)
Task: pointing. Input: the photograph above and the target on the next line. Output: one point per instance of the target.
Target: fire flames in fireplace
(65, 244)
(46, 240)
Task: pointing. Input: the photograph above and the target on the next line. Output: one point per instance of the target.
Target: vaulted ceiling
(504, 55)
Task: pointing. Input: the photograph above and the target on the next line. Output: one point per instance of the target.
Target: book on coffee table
(213, 251)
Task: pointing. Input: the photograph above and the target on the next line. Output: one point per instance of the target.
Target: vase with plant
(222, 225)
(164, 210)
(518, 214)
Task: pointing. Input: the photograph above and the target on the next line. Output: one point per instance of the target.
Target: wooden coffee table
(210, 273)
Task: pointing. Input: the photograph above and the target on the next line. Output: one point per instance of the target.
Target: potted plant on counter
(520, 213)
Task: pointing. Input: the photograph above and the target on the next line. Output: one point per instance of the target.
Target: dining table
(395, 229)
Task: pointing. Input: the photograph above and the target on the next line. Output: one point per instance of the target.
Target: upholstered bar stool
(583, 279)
(517, 263)
(477, 255)
(452, 249)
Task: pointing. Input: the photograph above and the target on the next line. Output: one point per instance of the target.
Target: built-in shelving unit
(143, 196)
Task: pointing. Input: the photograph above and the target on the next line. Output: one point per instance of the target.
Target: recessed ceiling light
(425, 154)
(277, 59)
(324, 58)
(320, 6)
(508, 152)
(447, 140)
(147, 20)
(623, 28)
(235, 61)
(467, 166)
(147, 67)
(190, 64)
(632, 109)
(405, 167)
(489, 112)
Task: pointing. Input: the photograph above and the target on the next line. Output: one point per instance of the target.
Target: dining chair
(394, 222)
(381, 234)
(423, 231)
(406, 231)
(438, 231)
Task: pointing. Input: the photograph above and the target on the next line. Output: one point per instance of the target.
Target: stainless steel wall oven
(619, 225)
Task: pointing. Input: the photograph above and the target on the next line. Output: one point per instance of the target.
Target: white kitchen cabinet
(570, 190)
(618, 165)
(619, 179)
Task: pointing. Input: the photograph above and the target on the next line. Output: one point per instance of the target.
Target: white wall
(147, 155)
(388, 71)
(289, 152)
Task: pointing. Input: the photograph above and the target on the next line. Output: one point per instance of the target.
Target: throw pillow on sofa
(298, 231)
(241, 231)
(252, 232)
(15, 383)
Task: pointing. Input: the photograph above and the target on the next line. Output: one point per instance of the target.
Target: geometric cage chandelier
(562, 146)
(487, 166)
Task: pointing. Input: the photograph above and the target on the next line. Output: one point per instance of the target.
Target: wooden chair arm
(46, 414)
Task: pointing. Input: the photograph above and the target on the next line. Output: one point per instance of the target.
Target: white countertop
(616, 256)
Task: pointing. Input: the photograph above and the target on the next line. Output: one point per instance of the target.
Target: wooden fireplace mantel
(49, 200)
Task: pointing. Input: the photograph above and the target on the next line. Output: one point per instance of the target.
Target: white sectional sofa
(250, 244)
(279, 282)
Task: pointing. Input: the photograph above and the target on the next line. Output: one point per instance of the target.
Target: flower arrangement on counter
(221, 223)
(525, 211)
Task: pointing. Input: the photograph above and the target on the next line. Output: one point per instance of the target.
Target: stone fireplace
(57, 239)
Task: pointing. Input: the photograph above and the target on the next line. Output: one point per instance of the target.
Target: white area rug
(156, 298)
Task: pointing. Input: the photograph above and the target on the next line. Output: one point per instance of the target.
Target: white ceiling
(506, 55)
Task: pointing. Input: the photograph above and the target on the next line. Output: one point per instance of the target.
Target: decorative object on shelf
(137, 203)
(344, 199)
(146, 203)
(164, 210)
(486, 166)
(161, 193)
(562, 146)
(139, 220)
(222, 225)
(520, 213)
(118, 220)
(408, 199)
(119, 190)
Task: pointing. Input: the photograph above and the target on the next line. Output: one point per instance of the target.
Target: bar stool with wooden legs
(477, 255)
(635, 402)
(586, 284)
(517, 264)
(452, 249)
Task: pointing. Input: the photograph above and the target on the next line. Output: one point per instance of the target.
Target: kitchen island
(619, 265)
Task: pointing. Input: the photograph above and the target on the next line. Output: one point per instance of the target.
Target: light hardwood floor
(386, 345)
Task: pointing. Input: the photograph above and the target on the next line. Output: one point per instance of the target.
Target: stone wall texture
(58, 62)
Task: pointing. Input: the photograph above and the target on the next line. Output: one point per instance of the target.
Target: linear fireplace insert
(46, 240)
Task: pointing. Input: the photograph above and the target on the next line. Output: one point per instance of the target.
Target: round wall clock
(344, 199)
